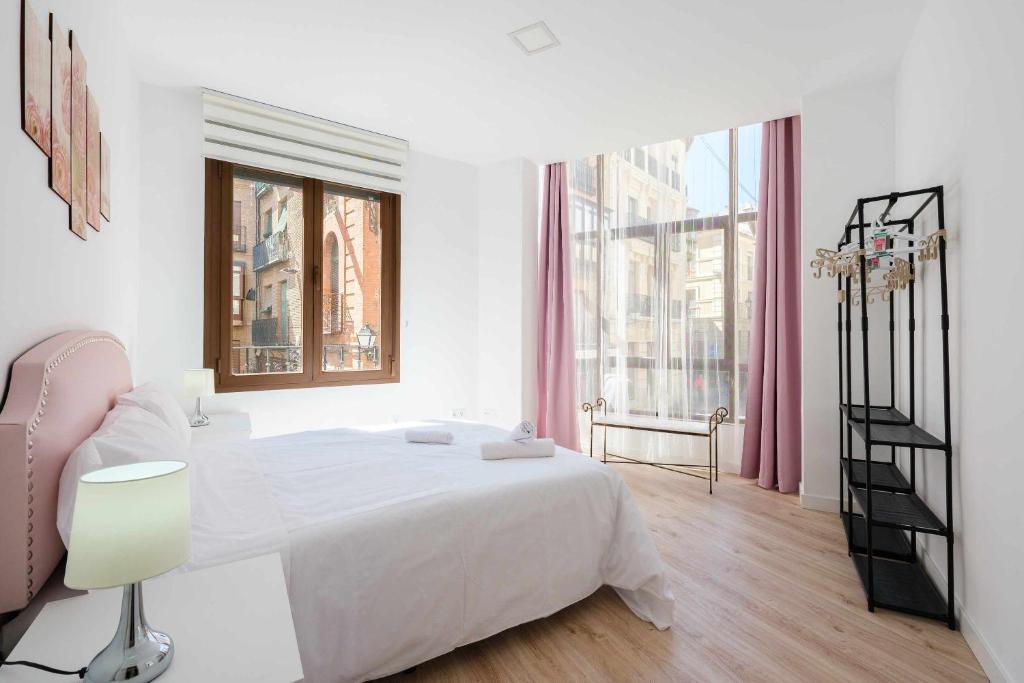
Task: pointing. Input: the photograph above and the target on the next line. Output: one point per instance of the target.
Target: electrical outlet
(458, 412)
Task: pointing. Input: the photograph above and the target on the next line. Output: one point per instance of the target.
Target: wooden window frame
(217, 316)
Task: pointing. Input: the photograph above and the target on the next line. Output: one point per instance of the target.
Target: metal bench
(707, 430)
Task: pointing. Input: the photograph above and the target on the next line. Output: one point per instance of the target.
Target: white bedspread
(398, 552)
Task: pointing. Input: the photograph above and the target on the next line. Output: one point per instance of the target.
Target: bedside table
(229, 623)
(233, 426)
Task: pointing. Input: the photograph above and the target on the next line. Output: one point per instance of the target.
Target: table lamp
(198, 384)
(131, 522)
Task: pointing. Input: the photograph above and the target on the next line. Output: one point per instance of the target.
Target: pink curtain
(556, 352)
(771, 439)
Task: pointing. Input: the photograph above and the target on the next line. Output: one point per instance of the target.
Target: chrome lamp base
(137, 653)
(199, 418)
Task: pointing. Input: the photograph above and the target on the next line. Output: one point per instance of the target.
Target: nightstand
(229, 623)
(223, 426)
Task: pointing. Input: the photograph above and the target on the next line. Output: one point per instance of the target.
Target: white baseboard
(728, 467)
(994, 669)
(820, 503)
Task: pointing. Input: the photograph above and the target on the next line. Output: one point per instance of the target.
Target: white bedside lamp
(130, 523)
(199, 384)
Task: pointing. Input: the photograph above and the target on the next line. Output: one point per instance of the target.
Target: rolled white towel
(524, 431)
(428, 436)
(533, 448)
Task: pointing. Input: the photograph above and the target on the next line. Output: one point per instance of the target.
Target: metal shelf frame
(890, 571)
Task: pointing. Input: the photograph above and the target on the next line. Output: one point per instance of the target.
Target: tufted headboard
(60, 392)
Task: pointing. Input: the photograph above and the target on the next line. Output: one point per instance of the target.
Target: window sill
(344, 382)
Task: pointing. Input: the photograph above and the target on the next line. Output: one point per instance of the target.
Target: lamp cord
(42, 667)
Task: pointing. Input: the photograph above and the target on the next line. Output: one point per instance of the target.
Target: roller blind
(251, 133)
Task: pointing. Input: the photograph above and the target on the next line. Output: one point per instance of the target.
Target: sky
(707, 170)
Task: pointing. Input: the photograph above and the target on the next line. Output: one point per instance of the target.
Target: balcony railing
(334, 312)
(259, 360)
(340, 357)
(273, 249)
(267, 332)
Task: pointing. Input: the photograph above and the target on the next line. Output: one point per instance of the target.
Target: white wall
(507, 259)
(959, 108)
(847, 148)
(50, 280)
(439, 308)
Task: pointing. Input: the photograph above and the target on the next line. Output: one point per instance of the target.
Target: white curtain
(651, 228)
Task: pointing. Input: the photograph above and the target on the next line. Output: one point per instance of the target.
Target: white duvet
(396, 553)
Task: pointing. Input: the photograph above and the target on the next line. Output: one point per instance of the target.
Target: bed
(395, 553)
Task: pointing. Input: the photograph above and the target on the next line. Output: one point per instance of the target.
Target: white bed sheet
(398, 552)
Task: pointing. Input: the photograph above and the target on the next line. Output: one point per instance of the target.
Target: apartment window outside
(268, 223)
(634, 210)
(313, 298)
(670, 339)
(237, 291)
(237, 239)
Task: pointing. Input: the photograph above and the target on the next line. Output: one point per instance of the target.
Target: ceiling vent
(534, 38)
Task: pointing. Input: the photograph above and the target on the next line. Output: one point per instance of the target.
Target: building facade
(269, 273)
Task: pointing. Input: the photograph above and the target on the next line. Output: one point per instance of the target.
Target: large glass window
(305, 286)
(662, 292)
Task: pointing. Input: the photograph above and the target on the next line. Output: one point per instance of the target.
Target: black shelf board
(879, 415)
(908, 436)
(885, 476)
(902, 586)
(899, 510)
(885, 541)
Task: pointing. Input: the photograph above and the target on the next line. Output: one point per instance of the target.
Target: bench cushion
(658, 424)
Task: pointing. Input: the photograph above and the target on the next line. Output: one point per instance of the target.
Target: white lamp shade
(198, 383)
(130, 523)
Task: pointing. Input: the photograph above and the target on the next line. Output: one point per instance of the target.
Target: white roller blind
(255, 134)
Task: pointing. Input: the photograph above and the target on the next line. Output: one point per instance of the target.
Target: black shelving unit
(882, 538)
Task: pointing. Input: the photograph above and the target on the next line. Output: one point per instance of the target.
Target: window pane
(749, 176)
(350, 280)
(267, 335)
(697, 349)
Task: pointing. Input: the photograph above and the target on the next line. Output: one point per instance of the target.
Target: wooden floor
(764, 592)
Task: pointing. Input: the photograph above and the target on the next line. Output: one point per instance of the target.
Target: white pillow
(160, 402)
(128, 435)
(85, 459)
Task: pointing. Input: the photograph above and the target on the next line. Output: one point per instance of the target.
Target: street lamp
(366, 338)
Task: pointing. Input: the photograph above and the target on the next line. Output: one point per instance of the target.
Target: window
(284, 334)
(633, 211)
(237, 240)
(282, 216)
(311, 299)
(662, 324)
(268, 223)
(237, 291)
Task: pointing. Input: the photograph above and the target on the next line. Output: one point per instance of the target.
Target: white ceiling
(445, 75)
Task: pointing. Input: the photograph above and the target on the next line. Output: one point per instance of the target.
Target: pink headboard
(59, 394)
